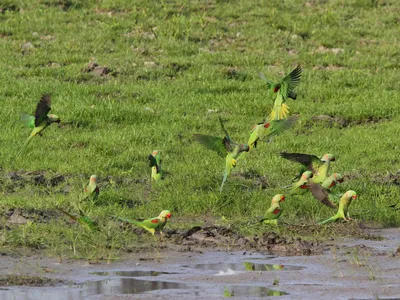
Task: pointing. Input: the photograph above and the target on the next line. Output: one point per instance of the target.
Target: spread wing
(267, 81)
(311, 162)
(221, 146)
(321, 194)
(278, 126)
(290, 81)
(42, 109)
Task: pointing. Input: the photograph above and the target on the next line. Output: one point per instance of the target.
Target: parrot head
(328, 157)
(306, 175)
(93, 178)
(53, 118)
(165, 214)
(351, 194)
(338, 177)
(277, 198)
(155, 152)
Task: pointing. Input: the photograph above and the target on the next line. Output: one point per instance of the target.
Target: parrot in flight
(301, 186)
(343, 212)
(40, 121)
(274, 211)
(283, 90)
(152, 225)
(319, 166)
(82, 219)
(155, 164)
(224, 147)
(91, 191)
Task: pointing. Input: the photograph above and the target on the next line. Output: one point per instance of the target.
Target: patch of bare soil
(341, 122)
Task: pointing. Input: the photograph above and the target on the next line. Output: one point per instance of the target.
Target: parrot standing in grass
(274, 211)
(343, 212)
(152, 225)
(82, 219)
(319, 166)
(155, 164)
(283, 90)
(300, 187)
(91, 191)
(224, 147)
(41, 119)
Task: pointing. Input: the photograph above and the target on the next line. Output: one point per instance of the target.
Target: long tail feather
(330, 220)
(23, 147)
(223, 181)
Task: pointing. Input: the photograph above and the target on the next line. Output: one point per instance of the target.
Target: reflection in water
(246, 266)
(131, 273)
(253, 291)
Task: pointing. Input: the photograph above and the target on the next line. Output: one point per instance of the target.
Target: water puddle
(245, 266)
(133, 286)
(131, 273)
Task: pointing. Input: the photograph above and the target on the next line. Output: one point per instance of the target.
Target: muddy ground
(344, 268)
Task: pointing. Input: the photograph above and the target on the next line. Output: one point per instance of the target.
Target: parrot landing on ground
(321, 191)
(152, 225)
(41, 119)
(283, 90)
(91, 191)
(155, 164)
(224, 147)
(274, 211)
(82, 219)
(319, 166)
(343, 212)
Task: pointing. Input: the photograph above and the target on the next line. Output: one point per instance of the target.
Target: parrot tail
(223, 181)
(279, 112)
(330, 220)
(23, 147)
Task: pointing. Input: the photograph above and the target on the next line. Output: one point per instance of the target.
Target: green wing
(153, 223)
(153, 162)
(42, 109)
(290, 81)
(278, 126)
(268, 82)
(213, 143)
(311, 162)
(321, 194)
(28, 120)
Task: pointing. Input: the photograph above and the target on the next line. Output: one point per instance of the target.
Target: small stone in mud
(17, 218)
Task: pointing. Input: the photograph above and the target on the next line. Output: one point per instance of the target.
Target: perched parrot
(91, 191)
(300, 187)
(82, 219)
(151, 225)
(155, 164)
(224, 147)
(343, 212)
(40, 121)
(274, 211)
(321, 191)
(283, 90)
(319, 166)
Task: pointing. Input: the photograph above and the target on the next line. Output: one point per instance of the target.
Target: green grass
(171, 63)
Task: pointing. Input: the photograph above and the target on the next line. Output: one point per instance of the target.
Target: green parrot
(91, 191)
(321, 191)
(283, 90)
(343, 212)
(300, 187)
(249, 266)
(274, 211)
(152, 225)
(319, 166)
(155, 164)
(40, 121)
(82, 219)
(224, 147)
(262, 131)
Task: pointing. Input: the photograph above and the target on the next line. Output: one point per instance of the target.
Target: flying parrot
(343, 212)
(283, 90)
(274, 211)
(40, 121)
(319, 166)
(82, 219)
(155, 164)
(300, 187)
(152, 225)
(91, 191)
(224, 147)
(322, 191)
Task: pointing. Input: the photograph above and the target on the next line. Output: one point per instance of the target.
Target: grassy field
(174, 68)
